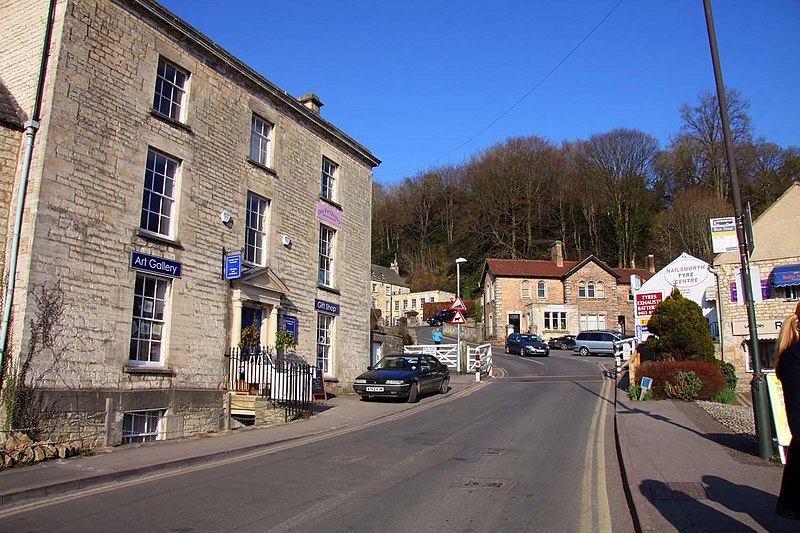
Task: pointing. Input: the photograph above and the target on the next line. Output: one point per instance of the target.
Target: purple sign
(329, 214)
(326, 307)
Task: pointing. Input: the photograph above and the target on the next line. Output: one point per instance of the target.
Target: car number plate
(374, 389)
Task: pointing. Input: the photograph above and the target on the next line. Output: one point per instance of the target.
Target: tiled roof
(10, 113)
(387, 275)
(524, 268)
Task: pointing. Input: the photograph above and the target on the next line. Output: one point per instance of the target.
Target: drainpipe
(31, 127)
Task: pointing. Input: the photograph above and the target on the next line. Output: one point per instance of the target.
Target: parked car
(526, 344)
(405, 375)
(564, 342)
(598, 342)
(441, 317)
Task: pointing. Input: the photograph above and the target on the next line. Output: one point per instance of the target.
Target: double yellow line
(594, 503)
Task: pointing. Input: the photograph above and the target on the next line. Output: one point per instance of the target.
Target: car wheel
(563, 345)
(584, 351)
(445, 386)
(413, 393)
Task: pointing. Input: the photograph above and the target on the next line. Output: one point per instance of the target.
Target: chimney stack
(651, 264)
(312, 102)
(395, 266)
(557, 253)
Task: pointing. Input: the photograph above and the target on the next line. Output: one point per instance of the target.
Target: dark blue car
(405, 375)
(526, 344)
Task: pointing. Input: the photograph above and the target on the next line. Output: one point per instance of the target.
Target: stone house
(775, 276)
(156, 153)
(556, 297)
(387, 289)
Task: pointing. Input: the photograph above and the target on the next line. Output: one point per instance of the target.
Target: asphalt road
(531, 451)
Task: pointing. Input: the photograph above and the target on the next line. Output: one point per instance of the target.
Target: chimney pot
(312, 102)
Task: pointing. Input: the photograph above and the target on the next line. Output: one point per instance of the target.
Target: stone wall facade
(83, 212)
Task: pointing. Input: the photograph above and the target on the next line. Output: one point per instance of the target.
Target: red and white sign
(646, 303)
(458, 304)
(458, 318)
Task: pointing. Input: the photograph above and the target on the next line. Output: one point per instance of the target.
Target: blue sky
(427, 83)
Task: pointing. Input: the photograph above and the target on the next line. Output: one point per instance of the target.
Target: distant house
(393, 297)
(556, 297)
(775, 275)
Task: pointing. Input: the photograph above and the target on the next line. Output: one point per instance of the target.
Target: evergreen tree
(682, 331)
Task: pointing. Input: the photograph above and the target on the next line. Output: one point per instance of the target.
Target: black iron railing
(285, 379)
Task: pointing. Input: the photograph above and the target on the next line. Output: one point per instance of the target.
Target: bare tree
(702, 132)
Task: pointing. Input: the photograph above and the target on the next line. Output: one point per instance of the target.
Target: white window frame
(591, 292)
(541, 290)
(600, 290)
(525, 290)
(582, 289)
(255, 230)
(261, 141)
(388, 291)
(149, 320)
(555, 320)
(327, 245)
(152, 421)
(413, 303)
(388, 306)
(169, 95)
(591, 321)
(374, 287)
(329, 178)
(158, 194)
(325, 323)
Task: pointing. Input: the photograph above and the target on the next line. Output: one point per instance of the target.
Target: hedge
(663, 372)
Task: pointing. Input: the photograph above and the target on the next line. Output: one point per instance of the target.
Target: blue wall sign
(290, 325)
(155, 265)
(233, 266)
(326, 307)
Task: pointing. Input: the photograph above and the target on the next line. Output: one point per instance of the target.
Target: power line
(527, 94)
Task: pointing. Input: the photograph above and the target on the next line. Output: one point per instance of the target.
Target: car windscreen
(397, 363)
(528, 338)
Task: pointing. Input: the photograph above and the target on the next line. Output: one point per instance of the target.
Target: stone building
(388, 287)
(775, 276)
(556, 297)
(155, 152)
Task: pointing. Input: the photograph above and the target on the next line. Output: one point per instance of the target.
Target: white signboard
(723, 235)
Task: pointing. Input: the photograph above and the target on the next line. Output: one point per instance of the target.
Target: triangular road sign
(458, 318)
(458, 304)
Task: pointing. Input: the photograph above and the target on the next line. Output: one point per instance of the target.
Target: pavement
(682, 470)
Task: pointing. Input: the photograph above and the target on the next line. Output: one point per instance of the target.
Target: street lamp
(758, 389)
(458, 295)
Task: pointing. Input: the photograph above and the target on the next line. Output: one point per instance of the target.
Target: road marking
(178, 471)
(597, 432)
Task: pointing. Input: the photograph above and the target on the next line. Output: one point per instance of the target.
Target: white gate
(446, 353)
(482, 353)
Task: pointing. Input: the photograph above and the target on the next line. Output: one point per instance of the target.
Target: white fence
(446, 353)
(482, 353)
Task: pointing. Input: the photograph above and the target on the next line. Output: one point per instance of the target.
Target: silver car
(599, 341)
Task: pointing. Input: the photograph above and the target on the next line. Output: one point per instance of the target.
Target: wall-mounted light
(226, 218)
(287, 241)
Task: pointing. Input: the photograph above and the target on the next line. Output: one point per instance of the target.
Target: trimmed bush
(726, 396)
(712, 382)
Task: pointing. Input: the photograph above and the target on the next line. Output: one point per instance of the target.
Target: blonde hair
(790, 333)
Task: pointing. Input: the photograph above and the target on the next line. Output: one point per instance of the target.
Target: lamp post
(458, 295)
(758, 388)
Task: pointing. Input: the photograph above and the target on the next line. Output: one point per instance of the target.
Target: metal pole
(458, 326)
(757, 384)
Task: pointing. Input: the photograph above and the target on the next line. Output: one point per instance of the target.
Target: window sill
(331, 202)
(170, 121)
(265, 168)
(328, 289)
(148, 370)
(158, 238)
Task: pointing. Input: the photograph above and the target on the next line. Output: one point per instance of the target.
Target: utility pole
(758, 388)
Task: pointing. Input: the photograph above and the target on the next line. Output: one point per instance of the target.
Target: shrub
(726, 396)
(666, 372)
(635, 393)
(729, 371)
(686, 386)
(681, 330)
